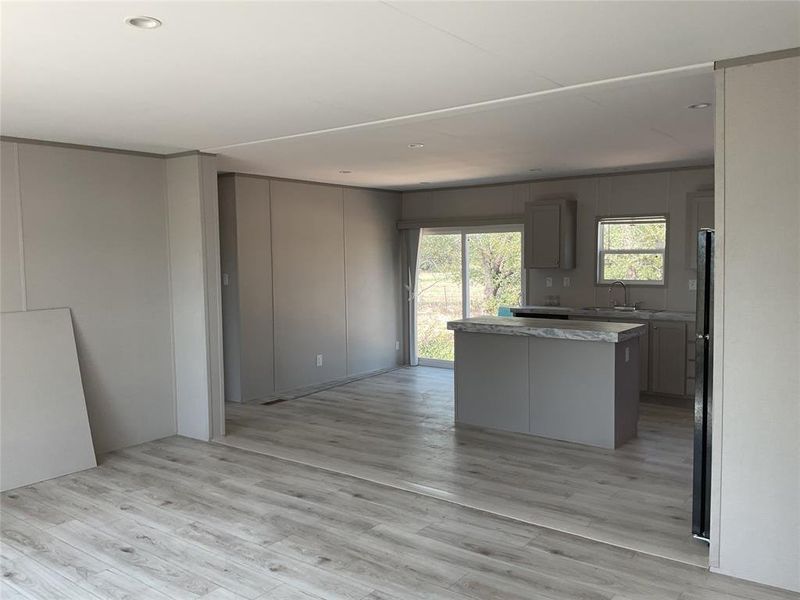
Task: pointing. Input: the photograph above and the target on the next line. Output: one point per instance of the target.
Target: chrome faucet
(611, 293)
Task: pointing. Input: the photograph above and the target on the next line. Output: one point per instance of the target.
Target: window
(632, 250)
(464, 272)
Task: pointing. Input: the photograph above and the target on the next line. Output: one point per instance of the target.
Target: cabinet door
(644, 353)
(668, 357)
(699, 215)
(543, 234)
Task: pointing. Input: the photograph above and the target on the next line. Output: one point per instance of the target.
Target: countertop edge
(581, 335)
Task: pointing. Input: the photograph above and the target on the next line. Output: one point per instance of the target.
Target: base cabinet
(666, 355)
(572, 390)
(668, 351)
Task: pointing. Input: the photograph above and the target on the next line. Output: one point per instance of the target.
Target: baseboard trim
(318, 387)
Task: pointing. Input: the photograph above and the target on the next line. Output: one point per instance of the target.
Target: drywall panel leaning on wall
(44, 427)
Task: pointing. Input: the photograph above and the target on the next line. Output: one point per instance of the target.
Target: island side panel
(572, 391)
(491, 381)
(626, 388)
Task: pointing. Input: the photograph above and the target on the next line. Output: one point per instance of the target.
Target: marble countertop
(643, 314)
(591, 331)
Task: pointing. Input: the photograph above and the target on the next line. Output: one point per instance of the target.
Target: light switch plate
(548, 282)
(397, 345)
(566, 282)
(319, 360)
(226, 279)
(692, 285)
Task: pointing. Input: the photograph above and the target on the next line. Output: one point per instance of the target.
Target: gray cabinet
(644, 346)
(501, 401)
(699, 215)
(550, 233)
(644, 354)
(668, 357)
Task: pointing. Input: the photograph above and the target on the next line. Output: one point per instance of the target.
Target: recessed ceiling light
(424, 182)
(344, 172)
(534, 170)
(416, 145)
(700, 105)
(143, 22)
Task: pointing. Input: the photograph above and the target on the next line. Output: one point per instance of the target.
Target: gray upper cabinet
(699, 215)
(668, 357)
(550, 233)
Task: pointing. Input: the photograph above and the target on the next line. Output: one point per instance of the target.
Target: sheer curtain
(410, 252)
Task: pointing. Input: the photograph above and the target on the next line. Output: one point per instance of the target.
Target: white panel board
(44, 427)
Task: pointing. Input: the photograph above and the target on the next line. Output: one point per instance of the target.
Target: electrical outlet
(692, 285)
(226, 279)
(397, 345)
(566, 282)
(548, 282)
(319, 360)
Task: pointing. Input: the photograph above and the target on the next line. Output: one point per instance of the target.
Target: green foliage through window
(494, 271)
(632, 249)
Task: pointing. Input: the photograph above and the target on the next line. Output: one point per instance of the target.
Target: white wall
(615, 195)
(314, 269)
(757, 386)
(93, 233)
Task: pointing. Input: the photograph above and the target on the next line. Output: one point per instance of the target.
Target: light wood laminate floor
(179, 518)
(397, 429)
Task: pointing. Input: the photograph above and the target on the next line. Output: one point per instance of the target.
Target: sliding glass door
(439, 293)
(465, 272)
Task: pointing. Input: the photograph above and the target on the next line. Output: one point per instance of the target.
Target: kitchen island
(576, 381)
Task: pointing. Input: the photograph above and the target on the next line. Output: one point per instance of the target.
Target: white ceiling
(262, 83)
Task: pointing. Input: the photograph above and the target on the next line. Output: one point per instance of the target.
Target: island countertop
(591, 331)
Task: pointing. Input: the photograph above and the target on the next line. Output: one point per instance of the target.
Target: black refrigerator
(703, 396)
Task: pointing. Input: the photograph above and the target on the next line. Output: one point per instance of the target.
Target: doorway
(464, 272)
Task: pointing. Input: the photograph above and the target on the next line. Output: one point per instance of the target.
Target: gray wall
(756, 518)
(93, 236)
(308, 283)
(372, 279)
(635, 193)
(314, 269)
(191, 188)
(247, 261)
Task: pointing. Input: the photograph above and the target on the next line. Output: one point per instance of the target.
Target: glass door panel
(439, 293)
(494, 271)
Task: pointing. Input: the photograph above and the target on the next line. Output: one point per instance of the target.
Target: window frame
(600, 253)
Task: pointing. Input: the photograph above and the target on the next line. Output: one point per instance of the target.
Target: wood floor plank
(397, 429)
(178, 518)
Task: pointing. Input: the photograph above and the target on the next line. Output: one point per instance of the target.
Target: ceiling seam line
(471, 106)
